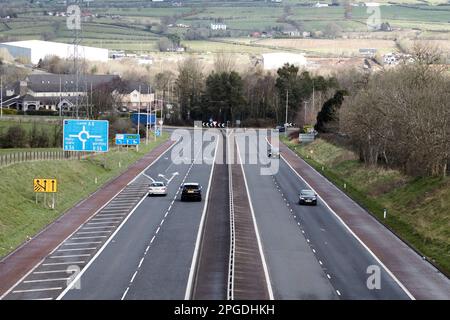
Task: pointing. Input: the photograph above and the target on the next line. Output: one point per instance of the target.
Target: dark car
(191, 191)
(307, 196)
(280, 128)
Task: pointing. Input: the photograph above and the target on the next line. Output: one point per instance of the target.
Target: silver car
(273, 153)
(157, 188)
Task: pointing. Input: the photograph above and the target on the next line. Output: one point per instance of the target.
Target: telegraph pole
(148, 106)
(286, 120)
(139, 115)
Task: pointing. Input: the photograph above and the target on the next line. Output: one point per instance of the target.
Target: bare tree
(224, 62)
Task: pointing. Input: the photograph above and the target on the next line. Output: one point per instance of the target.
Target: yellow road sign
(45, 185)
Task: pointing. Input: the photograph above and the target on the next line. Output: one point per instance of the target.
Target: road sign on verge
(45, 185)
(128, 139)
(158, 132)
(85, 135)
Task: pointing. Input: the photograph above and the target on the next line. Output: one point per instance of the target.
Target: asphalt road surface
(150, 257)
(310, 254)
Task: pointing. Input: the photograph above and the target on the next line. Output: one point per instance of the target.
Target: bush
(15, 137)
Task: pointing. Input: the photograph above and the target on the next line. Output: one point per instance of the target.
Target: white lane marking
(62, 294)
(134, 275)
(157, 230)
(148, 177)
(338, 292)
(50, 271)
(151, 241)
(43, 299)
(45, 280)
(99, 223)
(70, 256)
(125, 293)
(320, 262)
(62, 263)
(78, 243)
(92, 228)
(75, 249)
(329, 277)
(37, 290)
(352, 233)
(140, 263)
(84, 238)
(261, 252)
(313, 250)
(190, 282)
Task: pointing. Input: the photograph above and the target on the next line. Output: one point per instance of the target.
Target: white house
(218, 26)
(320, 5)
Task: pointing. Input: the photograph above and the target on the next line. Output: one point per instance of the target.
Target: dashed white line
(338, 292)
(125, 293)
(134, 275)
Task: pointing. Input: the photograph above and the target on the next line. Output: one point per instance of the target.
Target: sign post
(125, 139)
(45, 185)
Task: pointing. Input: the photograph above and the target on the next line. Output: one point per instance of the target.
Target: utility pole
(139, 115)
(286, 120)
(304, 119)
(148, 106)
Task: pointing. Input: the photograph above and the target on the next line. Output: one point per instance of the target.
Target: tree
(189, 85)
(224, 62)
(328, 117)
(223, 98)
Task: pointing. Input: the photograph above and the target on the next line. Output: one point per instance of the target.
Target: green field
(130, 31)
(20, 217)
(417, 207)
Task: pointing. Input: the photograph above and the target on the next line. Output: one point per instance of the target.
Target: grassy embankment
(20, 217)
(418, 208)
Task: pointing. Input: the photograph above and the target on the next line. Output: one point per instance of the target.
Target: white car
(157, 188)
(273, 153)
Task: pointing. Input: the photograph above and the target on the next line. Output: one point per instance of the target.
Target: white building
(34, 50)
(276, 60)
(218, 26)
(320, 5)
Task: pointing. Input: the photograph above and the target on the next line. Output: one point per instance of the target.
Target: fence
(25, 156)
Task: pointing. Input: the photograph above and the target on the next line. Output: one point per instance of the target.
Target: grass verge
(21, 218)
(418, 209)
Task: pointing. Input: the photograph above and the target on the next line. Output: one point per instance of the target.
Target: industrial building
(276, 60)
(35, 50)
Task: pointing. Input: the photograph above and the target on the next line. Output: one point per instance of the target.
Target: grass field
(418, 208)
(20, 217)
(130, 31)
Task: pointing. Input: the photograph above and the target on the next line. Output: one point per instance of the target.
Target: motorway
(247, 239)
(308, 243)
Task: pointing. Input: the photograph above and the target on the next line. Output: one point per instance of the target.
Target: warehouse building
(276, 60)
(35, 50)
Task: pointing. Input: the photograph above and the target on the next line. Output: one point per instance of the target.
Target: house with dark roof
(62, 92)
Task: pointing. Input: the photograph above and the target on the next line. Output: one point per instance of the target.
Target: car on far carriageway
(273, 153)
(157, 188)
(191, 191)
(307, 196)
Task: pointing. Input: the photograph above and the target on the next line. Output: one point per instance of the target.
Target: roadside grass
(418, 209)
(21, 218)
